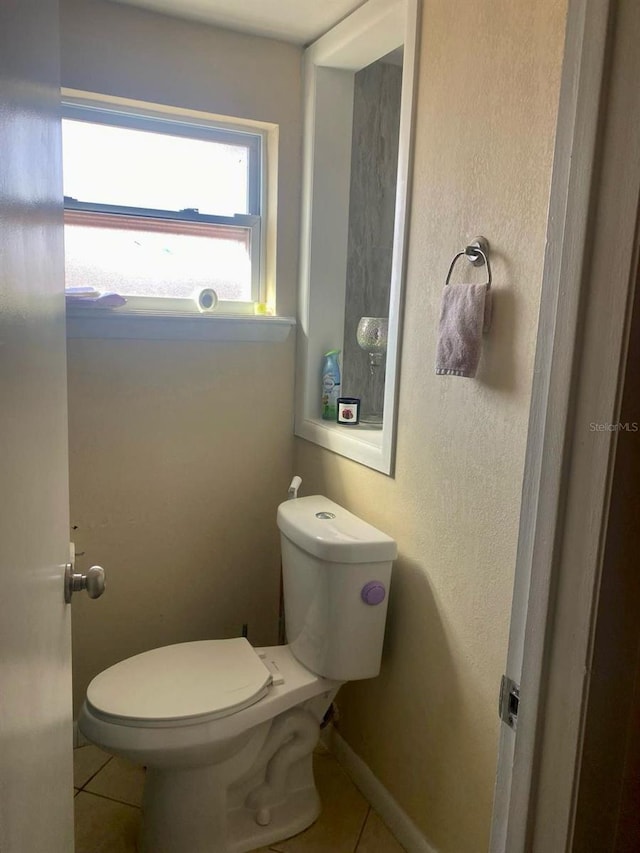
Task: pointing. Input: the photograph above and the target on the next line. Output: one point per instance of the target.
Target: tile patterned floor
(109, 793)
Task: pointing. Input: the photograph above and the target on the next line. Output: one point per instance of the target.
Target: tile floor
(109, 793)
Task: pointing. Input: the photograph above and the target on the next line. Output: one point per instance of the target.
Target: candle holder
(372, 336)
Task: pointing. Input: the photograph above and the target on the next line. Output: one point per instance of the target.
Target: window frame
(254, 140)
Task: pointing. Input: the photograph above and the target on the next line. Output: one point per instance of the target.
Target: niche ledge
(361, 443)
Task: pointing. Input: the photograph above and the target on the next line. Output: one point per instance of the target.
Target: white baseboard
(398, 821)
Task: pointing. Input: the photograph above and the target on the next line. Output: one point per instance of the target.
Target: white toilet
(227, 731)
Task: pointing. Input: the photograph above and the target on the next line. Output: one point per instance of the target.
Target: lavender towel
(465, 314)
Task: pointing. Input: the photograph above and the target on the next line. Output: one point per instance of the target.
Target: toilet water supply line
(292, 494)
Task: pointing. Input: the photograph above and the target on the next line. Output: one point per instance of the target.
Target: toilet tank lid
(330, 532)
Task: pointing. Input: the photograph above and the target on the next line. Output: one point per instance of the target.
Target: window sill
(133, 325)
(362, 443)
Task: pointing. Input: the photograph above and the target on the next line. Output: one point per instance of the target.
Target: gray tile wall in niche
(374, 163)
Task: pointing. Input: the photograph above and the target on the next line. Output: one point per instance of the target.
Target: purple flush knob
(373, 592)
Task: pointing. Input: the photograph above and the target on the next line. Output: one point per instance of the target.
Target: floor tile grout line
(364, 823)
(93, 776)
(111, 799)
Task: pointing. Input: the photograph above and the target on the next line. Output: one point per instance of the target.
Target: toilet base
(262, 794)
(175, 831)
(301, 809)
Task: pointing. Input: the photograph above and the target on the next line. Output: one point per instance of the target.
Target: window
(157, 209)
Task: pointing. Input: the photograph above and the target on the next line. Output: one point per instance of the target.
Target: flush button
(373, 592)
(325, 515)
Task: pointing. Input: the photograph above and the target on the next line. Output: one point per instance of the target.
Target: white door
(36, 787)
(587, 294)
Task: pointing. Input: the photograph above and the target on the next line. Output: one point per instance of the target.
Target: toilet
(227, 731)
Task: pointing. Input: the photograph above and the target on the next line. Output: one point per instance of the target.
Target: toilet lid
(212, 678)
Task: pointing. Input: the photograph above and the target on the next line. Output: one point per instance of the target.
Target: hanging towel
(465, 314)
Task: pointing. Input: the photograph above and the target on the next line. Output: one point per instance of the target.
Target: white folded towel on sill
(93, 297)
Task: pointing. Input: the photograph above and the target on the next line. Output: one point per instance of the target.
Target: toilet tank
(336, 573)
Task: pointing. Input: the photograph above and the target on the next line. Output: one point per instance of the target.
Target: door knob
(93, 582)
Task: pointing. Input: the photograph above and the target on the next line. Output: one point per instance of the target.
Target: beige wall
(486, 110)
(181, 451)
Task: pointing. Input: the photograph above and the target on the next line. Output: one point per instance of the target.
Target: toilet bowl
(227, 731)
(202, 766)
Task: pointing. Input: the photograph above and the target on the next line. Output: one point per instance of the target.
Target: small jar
(348, 411)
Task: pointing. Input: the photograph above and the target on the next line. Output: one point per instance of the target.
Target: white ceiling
(297, 21)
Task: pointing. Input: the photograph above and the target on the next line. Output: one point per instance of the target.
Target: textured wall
(374, 168)
(181, 451)
(173, 492)
(486, 110)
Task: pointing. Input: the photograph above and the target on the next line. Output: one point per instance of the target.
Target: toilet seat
(181, 684)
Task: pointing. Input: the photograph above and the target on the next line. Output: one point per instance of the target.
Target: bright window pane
(136, 168)
(158, 259)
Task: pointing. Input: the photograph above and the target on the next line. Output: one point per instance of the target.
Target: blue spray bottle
(330, 385)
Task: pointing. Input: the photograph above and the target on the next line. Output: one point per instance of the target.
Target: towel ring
(477, 253)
